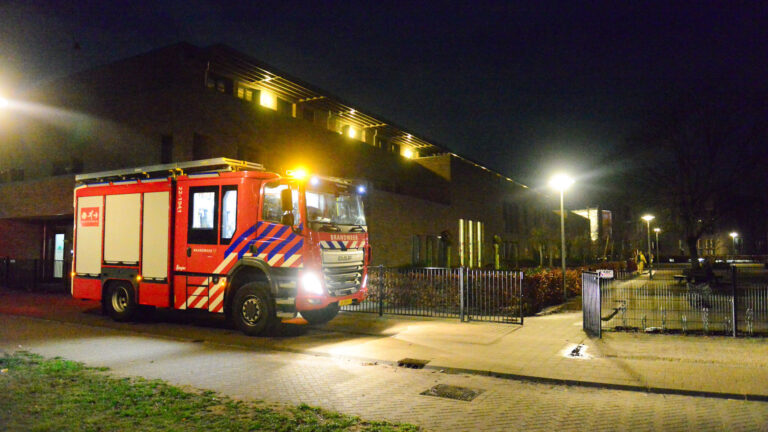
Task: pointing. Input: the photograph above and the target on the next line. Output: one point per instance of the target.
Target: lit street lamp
(561, 182)
(648, 218)
(733, 236)
(657, 231)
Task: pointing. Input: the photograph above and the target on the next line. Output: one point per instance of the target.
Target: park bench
(698, 276)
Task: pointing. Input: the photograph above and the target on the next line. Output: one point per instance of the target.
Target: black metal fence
(467, 294)
(730, 303)
(35, 274)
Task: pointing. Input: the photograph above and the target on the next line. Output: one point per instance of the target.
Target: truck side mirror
(287, 219)
(286, 196)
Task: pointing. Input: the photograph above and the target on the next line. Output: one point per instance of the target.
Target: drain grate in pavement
(452, 392)
(412, 363)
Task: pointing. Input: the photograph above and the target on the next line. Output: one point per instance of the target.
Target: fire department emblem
(89, 216)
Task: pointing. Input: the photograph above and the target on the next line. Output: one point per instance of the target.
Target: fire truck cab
(223, 236)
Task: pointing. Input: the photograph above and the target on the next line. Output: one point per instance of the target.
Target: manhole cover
(452, 392)
(412, 363)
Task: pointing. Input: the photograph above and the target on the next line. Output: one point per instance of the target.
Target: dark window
(510, 218)
(11, 174)
(394, 148)
(203, 215)
(166, 148)
(202, 146)
(228, 213)
(416, 250)
(284, 107)
(73, 166)
(308, 115)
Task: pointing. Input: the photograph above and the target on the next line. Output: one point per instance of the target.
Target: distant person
(641, 262)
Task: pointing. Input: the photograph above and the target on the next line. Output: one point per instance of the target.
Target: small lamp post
(648, 218)
(561, 182)
(733, 236)
(657, 230)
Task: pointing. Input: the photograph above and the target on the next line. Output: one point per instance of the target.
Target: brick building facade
(183, 102)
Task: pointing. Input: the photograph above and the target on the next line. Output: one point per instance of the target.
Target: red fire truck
(220, 235)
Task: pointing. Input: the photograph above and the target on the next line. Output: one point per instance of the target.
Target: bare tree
(698, 156)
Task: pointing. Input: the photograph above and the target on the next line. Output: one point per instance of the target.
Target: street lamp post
(657, 230)
(561, 182)
(648, 218)
(733, 236)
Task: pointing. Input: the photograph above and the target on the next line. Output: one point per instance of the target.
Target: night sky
(525, 88)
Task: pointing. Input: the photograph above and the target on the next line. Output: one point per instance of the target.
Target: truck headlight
(310, 284)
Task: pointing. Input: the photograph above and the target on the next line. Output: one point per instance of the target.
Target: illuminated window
(203, 215)
(272, 209)
(267, 100)
(228, 213)
(350, 131)
(203, 208)
(244, 93)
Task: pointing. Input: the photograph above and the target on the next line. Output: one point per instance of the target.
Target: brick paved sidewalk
(712, 365)
(672, 363)
(372, 391)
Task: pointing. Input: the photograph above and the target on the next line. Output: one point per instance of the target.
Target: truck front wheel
(120, 302)
(321, 316)
(253, 310)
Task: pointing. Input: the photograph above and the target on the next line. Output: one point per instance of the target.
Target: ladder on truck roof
(172, 169)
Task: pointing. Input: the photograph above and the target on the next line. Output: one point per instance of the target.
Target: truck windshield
(335, 206)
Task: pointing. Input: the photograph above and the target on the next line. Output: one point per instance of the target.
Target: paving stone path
(373, 391)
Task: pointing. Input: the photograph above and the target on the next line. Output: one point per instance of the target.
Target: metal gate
(590, 303)
(467, 294)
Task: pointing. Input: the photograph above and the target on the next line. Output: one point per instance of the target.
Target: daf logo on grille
(344, 257)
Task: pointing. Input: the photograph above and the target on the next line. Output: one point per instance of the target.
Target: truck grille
(343, 271)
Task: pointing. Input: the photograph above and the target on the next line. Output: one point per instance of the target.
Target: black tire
(121, 301)
(321, 316)
(253, 310)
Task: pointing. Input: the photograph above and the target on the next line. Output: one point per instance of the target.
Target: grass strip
(41, 394)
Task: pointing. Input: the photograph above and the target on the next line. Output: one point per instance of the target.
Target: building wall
(41, 198)
(123, 114)
(14, 239)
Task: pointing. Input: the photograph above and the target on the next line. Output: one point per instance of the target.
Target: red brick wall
(20, 239)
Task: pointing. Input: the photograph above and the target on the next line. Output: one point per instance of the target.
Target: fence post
(733, 299)
(35, 274)
(461, 294)
(6, 269)
(381, 290)
(520, 296)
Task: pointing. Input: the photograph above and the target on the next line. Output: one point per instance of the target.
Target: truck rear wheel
(253, 311)
(120, 302)
(321, 316)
